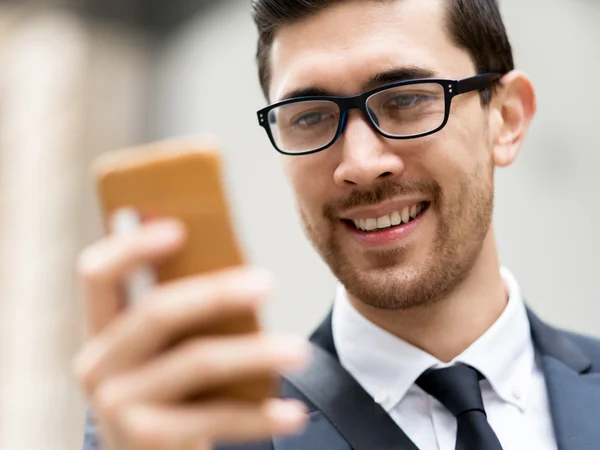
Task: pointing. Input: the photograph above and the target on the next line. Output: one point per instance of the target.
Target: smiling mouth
(393, 220)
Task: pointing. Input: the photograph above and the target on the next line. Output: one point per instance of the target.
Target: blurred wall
(68, 90)
(545, 216)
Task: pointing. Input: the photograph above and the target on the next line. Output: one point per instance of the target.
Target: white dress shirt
(514, 390)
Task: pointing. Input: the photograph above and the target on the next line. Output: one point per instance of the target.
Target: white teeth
(370, 224)
(394, 219)
(413, 211)
(384, 222)
(405, 215)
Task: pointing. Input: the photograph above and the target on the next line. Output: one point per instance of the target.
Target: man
(392, 116)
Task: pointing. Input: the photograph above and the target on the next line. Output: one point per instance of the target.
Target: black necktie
(457, 388)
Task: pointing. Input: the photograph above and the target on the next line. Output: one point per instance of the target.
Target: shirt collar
(504, 354)
(387, 366)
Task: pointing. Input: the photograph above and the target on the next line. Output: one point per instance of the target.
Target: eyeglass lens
(401, 111)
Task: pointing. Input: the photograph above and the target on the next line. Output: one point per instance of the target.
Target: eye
(308, 119)
(313, 118)
(407, 100)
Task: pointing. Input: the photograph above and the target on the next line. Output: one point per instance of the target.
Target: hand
(139, 377)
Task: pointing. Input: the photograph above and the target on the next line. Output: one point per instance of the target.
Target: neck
(449, 326)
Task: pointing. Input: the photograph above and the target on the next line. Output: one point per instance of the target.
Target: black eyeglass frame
(452, 88)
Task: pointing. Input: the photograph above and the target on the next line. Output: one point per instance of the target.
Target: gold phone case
(182, 179)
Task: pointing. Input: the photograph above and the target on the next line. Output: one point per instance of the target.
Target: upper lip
(382, 209)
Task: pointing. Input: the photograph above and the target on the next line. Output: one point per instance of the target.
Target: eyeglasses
(403, 110)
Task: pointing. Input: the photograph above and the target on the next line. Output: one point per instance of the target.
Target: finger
(200, 365)
(139, 333)
(104, 266)
(179, 426)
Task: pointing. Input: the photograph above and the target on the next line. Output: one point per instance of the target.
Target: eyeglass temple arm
(477, 82)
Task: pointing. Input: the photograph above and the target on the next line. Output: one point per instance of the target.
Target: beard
(391, 281)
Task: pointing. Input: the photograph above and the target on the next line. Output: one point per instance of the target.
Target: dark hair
(474, 25)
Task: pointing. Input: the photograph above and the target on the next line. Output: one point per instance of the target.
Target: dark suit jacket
(571, 365)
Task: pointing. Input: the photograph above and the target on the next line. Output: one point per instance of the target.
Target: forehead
(342, 47)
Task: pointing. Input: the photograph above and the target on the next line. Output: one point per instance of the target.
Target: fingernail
(258, 283)
(165, 232)
(292, 353)
(287, 414)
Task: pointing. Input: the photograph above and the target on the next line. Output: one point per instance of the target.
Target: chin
(400, 280)
(385, 280)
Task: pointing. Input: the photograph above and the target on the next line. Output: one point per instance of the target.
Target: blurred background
(81, 77)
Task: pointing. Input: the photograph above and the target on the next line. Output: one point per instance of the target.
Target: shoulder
(590, 346)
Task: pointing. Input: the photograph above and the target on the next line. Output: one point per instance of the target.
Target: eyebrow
(395, 75)
(382, 78)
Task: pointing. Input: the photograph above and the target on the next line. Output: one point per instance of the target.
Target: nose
(368, 158)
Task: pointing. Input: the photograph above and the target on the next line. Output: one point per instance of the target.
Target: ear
(512, 109)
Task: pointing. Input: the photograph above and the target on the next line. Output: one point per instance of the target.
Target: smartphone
(180, 179)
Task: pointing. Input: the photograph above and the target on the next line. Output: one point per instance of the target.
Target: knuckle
(108, 402)
(156, 317)
(144, 432)
(86, 379)
(203, 356)
(89, 265)
(200, 355)
(143, 435)
(86, 374)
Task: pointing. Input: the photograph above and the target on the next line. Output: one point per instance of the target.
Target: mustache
(385, 191)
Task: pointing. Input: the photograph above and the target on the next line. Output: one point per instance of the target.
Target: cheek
(470, 127)
(308, 181)
(460, 148)
(454, 159)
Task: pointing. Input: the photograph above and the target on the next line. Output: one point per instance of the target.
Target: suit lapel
(319, 434)
(323, 336)
(572, 384)
(573, 388)
(339, 397)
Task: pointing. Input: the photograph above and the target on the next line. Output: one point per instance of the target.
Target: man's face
(447, 176)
